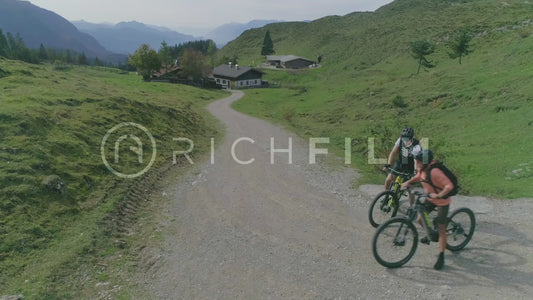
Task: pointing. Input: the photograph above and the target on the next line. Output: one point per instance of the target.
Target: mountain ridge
(38, 26)
(112, 36)
(126, 37)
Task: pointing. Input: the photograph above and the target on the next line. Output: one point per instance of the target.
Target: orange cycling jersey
(438, 179)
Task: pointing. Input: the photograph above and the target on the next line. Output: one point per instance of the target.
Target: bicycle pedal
(399, 243)
(435, 237)
(425, 240)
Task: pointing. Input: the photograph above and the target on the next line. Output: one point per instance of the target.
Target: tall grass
(52, 123)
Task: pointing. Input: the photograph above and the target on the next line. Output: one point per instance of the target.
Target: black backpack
(448, 174)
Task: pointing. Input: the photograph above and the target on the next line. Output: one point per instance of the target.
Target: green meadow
(58, 201)
(477, 116)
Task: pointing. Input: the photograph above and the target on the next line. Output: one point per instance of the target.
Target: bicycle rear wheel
(383, 208)
(460, 228)
(395, 242)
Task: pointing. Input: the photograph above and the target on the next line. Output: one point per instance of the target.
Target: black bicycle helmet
(425, 156)
(408, 132)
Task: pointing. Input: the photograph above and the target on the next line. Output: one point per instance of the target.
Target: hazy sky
(202, 15)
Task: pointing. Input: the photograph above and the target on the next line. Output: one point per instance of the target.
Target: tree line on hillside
(13, 47)
(195, 59)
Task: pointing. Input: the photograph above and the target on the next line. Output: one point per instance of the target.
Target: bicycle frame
(397, 184)
(386, 203)
(418, 208)
(395, 241)
(396, 188)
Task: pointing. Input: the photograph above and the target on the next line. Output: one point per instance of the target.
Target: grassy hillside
(60, 207)
(477, 115)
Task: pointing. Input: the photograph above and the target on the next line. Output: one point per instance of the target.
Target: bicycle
(386, 204)
(396, 240)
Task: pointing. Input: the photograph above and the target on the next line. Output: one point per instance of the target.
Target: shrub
(3, 73)
(61, 66)
(399, 102)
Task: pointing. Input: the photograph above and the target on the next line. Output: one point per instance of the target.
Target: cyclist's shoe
(440, 262)
(425, 240)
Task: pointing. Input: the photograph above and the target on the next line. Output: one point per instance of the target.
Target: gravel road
(300, 231)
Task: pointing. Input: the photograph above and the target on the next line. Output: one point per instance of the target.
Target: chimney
(236, 66)
(229, 64)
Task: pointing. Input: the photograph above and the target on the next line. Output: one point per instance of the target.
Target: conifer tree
(82, 59)
(460, 45)
(211, 51)
(4, 47)
(165, 56)
(268, 45)
(43, 54)
(420, 49)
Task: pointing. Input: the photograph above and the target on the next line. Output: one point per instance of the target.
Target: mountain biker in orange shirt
(437, 189)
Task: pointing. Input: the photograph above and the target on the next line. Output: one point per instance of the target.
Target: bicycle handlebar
(419, 195)
(398, 173)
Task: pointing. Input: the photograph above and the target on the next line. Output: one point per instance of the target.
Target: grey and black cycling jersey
(408, 153)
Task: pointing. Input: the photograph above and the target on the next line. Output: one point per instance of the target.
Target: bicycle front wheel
(460, 228)
(384, 207)
(395, 242)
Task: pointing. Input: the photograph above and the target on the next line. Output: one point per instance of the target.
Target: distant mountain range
(126, 37)
(108, 42)
(36, 25)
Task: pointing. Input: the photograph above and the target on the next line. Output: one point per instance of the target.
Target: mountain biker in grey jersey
(404, 151)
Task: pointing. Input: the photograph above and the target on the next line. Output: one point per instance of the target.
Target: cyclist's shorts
(442, 211)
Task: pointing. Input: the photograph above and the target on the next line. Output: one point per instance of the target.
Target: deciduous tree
(194, 64)
(146, 60)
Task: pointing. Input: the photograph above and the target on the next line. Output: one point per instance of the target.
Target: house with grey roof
(289, 61)
(235, 76)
